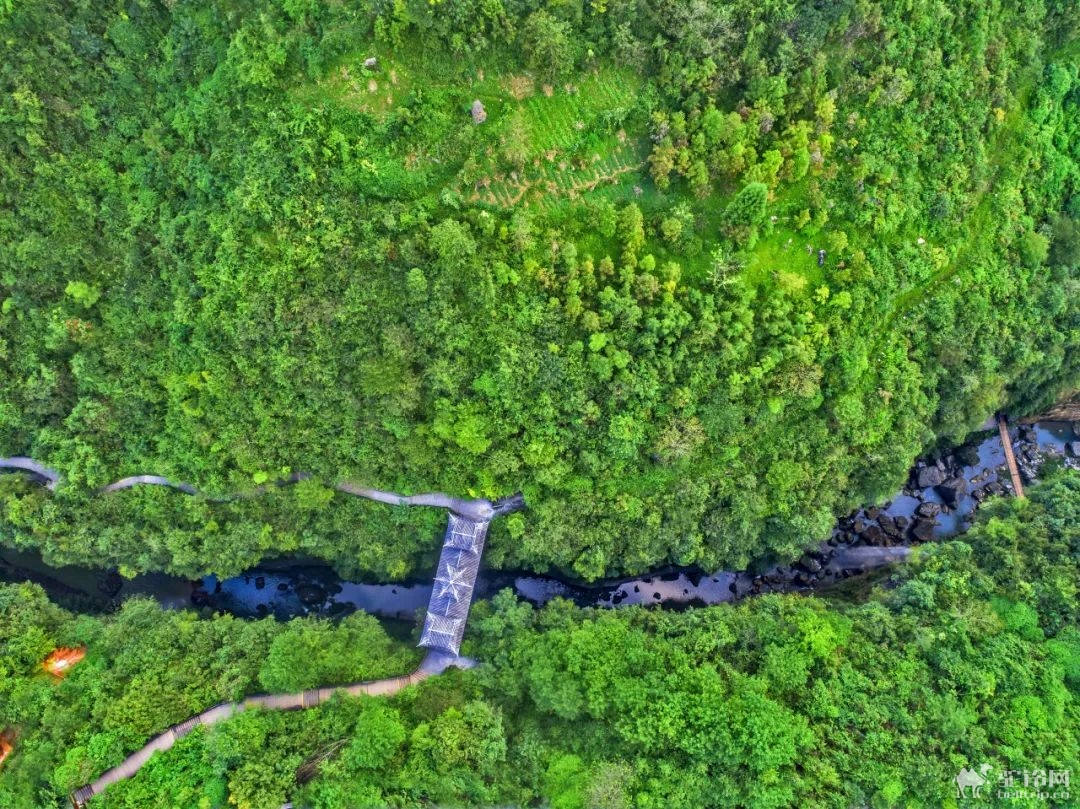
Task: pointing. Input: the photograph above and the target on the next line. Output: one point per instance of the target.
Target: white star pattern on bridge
(452, 581)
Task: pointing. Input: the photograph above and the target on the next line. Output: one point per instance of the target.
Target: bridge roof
(451, 595)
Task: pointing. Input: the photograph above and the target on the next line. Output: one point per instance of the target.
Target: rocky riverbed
(939, 500)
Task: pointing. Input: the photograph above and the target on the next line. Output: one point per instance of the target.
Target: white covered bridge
(451, 595)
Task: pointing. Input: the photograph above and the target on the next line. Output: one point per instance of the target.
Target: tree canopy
(229, 251)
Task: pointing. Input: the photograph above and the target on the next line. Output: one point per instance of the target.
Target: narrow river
(938, 501)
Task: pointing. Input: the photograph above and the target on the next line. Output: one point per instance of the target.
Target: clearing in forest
(556, 141)
(540, 142)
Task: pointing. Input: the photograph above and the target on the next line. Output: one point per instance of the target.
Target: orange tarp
(61, 660)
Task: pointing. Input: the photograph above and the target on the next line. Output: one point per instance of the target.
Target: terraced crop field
(566, 141)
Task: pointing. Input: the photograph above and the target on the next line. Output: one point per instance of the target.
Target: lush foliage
(229, 250)
(970, 656)
(704, 274)
(147, 669)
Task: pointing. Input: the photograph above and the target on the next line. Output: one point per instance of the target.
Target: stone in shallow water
(888, 525)
(929, 476)
(311, 593)
(872, 535)
(968, 455)
(923, 529)
(951, 491)
(928, 510)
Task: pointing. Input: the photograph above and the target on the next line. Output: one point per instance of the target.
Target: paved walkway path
(433, 663)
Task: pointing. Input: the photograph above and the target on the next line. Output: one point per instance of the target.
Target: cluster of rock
(1030, 456)
(313, 595)
(953, 485)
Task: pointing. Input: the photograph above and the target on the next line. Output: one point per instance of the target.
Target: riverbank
(939, 500)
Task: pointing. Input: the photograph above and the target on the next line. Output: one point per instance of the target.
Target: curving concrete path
(148, 480)
(433, 663)
(50, 476)
(479, 510)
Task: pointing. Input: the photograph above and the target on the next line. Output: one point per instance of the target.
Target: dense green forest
(230, 250)
(696, 276)
(969, 655)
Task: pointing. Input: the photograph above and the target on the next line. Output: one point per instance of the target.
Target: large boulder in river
(873, 534)
(311, 594)
(928, 510)
(923, 529)
(1074, 448)
(968, 455)
(889, 526)
(951, 491)
(929, 476)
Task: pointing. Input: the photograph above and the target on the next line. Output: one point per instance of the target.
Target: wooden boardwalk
(1010, 458)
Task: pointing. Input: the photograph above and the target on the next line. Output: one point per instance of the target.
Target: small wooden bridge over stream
(1010, 456)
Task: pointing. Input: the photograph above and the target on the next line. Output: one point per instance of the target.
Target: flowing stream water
(933, 505)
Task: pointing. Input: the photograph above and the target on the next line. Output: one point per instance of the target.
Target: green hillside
(229, 251)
